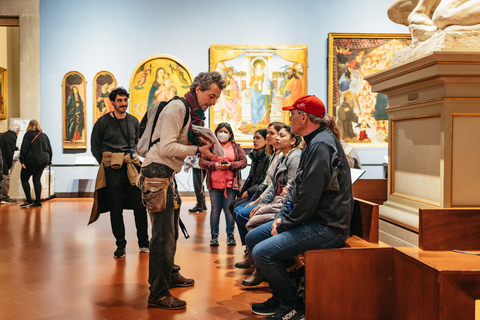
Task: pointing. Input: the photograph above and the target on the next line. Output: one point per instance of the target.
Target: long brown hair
(277, 125)
(33, 125)
(330, 122)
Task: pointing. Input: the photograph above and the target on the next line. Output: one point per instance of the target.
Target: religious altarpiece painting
(103, 83)
(360, 114)
(74, 111)
(157, 78)
(3, 93)
(260, 80)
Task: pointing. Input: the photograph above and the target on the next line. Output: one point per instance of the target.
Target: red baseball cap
(309, 104)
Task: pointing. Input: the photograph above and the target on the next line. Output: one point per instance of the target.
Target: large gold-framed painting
(74, 111)
(103, 83)
(157, 78)
(360, 114)
(3, 93)
(260, 80)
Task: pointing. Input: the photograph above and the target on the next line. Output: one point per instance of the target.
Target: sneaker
(119, 253)
(177, 280)
(36, 205)
(231, 240)
(198, 208)
(287, 314)
(214, 240)
(166, 302)
(26, 204)
(265, 308)
(144, 250)
(8, 201)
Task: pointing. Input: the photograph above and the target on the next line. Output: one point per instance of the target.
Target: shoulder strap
(160, 108)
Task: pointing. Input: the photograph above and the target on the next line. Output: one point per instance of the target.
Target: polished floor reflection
(54, 266)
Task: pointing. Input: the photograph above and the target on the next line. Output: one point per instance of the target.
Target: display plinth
(434, 119)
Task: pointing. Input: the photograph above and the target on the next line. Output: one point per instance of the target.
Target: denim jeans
(269, 252)
(219, 202)
(242, 215)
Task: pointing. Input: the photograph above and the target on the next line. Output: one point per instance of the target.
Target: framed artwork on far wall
(360, 114)
(103, 83)
(260, 80)
(3, 93)
(157, 78)
(74, 111)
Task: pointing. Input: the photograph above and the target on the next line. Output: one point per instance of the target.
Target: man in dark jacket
(315, 215)
(8, 141)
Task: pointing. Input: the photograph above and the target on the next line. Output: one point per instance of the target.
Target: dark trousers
(198, 178)
(163, 244)
(120, 191)
(25, 174)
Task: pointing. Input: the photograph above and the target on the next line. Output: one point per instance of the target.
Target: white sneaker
(144, 250)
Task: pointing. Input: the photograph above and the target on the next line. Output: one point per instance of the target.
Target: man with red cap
(315, 215)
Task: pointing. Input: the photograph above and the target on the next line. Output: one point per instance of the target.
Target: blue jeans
(269, 252)
(242, 215)
(219, 202)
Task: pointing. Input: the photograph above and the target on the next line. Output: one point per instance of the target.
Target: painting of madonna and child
(361, 114)
(260, 80)
(157, 78)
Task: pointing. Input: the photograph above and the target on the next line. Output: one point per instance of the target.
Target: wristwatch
(198, 150)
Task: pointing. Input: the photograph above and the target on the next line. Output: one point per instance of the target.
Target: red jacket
(239, 163)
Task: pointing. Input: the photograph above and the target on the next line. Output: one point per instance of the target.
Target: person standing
(315, 215)
(8, 141)
(224, 181)
(35, 156)
(162, 161)
(113, 140)
(198, 178)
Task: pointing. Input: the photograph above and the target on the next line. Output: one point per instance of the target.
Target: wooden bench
(354, 282)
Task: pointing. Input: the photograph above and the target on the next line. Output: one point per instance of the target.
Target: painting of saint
(360, 113)
(260, 80)
(74, 127)
(103, 83)
(157, 78)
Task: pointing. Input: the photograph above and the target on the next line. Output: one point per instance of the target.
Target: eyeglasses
(225, 124)
(291, 113)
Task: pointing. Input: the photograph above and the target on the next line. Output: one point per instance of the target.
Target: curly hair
(205, 79)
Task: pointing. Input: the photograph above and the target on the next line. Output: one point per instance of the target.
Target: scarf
(197, 115)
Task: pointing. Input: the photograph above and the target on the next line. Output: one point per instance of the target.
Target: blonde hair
(33, 125)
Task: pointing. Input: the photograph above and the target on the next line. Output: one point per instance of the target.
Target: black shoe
(231, 240)
(26, 204)
(287, 314)
(214, 240)
(119, 253)
(265, 308)
(36, 205)
(198, 208)
(8, 201)
(247, 263)
(177, 280)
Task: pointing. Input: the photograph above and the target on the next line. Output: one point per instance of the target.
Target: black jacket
(8, 141)
(258, 171)
(322, 189)
(35, 152)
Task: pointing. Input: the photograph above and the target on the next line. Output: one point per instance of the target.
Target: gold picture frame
(360, 114)
(260, 80)
(103, 83)
(3, 93)
(74, 111)
(157, 78)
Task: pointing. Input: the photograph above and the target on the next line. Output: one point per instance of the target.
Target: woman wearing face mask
(287, 143)
(224, 181)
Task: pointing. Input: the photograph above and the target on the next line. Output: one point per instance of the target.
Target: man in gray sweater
(163, 160)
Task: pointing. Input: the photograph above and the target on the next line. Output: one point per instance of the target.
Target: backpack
(148, 123)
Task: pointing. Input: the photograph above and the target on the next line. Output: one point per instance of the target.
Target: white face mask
(222, 136)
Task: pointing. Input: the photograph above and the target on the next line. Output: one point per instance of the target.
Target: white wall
(115, 35)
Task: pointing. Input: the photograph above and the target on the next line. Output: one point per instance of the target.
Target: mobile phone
(224, 162)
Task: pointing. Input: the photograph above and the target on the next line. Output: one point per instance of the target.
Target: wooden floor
(54, 266)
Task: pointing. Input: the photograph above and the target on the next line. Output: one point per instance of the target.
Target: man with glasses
(315, 215)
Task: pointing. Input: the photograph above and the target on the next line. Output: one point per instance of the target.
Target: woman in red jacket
(224, 181)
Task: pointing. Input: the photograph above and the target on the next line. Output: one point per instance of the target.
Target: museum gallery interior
(401, 77)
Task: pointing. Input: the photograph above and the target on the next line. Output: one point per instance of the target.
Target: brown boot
(247, 263)
(177, 280)
(166, 302)
(255, 279)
